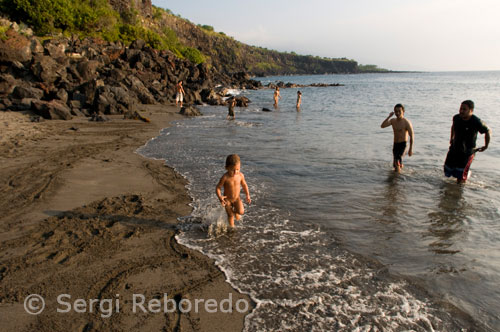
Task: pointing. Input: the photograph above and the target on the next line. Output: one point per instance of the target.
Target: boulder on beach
(51, 110)
(190, 111)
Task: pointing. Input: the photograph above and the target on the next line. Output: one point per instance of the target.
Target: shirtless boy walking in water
(402, 129)
(232, 182)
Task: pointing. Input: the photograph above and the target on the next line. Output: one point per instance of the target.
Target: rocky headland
(66, 77)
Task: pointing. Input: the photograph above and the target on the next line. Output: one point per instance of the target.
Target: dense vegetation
(163, 30)
(93, 18)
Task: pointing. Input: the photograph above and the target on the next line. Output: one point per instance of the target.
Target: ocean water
(333, 239)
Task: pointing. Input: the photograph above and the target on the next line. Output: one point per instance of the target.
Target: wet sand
(82, 214)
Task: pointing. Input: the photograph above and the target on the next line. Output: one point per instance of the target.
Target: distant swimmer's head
(299, 93)
(466, 109)
(399, 110)
(233, 163)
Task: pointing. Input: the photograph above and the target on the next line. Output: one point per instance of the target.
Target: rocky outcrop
(18, 48)
(69, 77)
(190, 111)
(123, 6)
(54, 109)
(283, 85)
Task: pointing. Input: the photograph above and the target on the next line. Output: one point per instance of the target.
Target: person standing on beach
(231, 104)
(179, 97)
(402, 129)
(299, 99)
(232, 182)
(276, 96)
(463, 137)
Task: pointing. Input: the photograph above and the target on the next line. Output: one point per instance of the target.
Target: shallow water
(333, 239)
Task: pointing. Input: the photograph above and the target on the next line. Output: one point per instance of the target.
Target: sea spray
(208, 216)
(218, 222)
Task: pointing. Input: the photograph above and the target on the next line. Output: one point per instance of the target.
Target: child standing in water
(231, 104)
(299, 99)
(276, 97)
(402, 129)
(232, 182)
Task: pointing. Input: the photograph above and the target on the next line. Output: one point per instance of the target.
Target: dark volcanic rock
(71, 76)
(190, 111)
(242, 101)
(55, 48)
(16, 48)
(138, 44)
(98, 117)
(142, 92)
(29, 92)
(62, 95)
(45, 68)
(54, 110)
(88, 69)
(24, 104)
(7, 84)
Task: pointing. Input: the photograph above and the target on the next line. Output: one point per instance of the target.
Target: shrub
(3, 30)
(157, 13)
(193, 55)
(49, 16)
(207, 27)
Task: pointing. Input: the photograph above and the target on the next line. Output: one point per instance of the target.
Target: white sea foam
(233, 92)
(247, 124)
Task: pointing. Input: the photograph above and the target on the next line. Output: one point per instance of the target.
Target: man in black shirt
(463, 142)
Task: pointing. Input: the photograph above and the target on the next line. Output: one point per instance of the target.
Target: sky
(420, 35)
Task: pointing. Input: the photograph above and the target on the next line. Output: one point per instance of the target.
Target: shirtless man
(402, 129)
(179, 97)
(232, 182)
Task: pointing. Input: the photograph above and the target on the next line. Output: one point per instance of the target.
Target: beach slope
(84, 218)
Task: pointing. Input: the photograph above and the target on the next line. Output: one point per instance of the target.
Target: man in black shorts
(463, 142)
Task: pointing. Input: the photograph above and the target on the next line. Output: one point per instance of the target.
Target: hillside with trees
(128, 20)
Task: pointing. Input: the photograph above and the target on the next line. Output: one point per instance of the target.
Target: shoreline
(83, 214)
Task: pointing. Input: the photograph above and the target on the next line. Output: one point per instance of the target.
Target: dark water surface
(333, 240)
